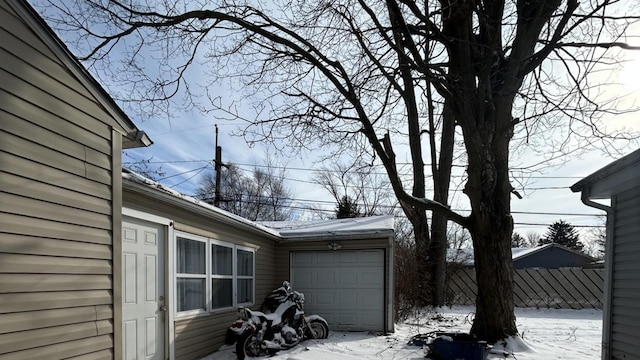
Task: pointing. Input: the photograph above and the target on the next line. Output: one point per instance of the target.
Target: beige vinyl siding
(197, 336)
(56, 201)
(625, 309)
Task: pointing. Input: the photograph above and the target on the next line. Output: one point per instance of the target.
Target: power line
(330, 170)
(386, 206)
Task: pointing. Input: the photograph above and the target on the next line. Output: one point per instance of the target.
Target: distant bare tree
(595, 242)
(262, 196)
(533, 237)
(360, 185)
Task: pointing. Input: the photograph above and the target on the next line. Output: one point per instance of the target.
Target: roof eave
(46, 33)
(338, 235)
(217, 215)
(605, 173)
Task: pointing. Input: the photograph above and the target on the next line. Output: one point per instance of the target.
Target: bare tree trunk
(441, 169)
(491, 227)
(423, 241)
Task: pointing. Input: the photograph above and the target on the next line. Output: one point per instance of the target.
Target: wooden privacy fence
(541, 288)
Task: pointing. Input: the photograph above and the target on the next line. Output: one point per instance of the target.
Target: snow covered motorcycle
(283, 325)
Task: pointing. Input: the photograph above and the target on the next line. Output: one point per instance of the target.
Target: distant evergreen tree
(347, 208)
(563, 233)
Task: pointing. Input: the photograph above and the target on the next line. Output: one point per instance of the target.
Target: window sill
(193, 315)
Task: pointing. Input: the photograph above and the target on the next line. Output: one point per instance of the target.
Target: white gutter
(607, 300)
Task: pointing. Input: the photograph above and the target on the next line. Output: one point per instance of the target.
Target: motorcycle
(282, 325)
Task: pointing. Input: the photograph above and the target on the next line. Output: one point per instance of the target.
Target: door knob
(163, 308)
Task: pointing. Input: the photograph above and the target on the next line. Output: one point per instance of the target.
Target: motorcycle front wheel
(248, 345)
(317, 329)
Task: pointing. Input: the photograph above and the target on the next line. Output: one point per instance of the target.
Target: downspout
(608, 263)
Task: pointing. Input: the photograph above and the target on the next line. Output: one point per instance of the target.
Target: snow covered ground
(545, 334)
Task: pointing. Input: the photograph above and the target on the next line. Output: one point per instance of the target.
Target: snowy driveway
(548, 334)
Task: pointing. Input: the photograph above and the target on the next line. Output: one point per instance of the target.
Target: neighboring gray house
(548, 256)
(619, 184)
(344, 268)
(61, 138)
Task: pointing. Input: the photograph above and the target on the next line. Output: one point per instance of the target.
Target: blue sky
(185, 145)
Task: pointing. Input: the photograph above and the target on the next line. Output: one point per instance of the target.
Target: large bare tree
(359, 75)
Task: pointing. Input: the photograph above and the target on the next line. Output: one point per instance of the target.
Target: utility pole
(218, 168)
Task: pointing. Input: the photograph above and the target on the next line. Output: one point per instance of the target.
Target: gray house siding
(619, 182)
(625, 291)
(553, 258)
(59, 149)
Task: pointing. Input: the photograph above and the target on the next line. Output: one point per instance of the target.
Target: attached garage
(343, 267)
(345, 287)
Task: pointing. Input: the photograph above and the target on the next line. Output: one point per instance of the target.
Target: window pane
(221, 260)
(191, 256)
(221, 293)
(245, 263)
(245, 291)
(191, 294)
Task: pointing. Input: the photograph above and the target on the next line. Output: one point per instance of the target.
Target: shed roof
(373, 226)
(465, 256)
(618, 176)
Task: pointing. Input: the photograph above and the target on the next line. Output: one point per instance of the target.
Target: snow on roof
(465, 256)
(139, 179)
(317, 228)
(282, 229)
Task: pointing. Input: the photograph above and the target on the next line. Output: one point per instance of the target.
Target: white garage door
(345, 287)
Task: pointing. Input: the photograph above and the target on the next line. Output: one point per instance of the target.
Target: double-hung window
(212, 274)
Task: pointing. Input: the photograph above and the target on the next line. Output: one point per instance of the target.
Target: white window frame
(213, 242)
(238, 277)
(209, 242)
(177, 276)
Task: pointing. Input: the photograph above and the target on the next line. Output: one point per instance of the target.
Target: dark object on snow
(456, 346)
(422, 339)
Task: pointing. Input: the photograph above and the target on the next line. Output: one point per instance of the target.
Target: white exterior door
(143, 295)
(345, 287)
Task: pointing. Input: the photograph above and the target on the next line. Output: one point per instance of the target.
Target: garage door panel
(303, 258)
(348, 320)
(370, 257)
(344, 287)
(371, 278)
(326, 279)
(350, 257)
(348, 299)
(302, 276)
(326, 299)
(368, 319)
(370, 299)
(325, 258)
(348, 279)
